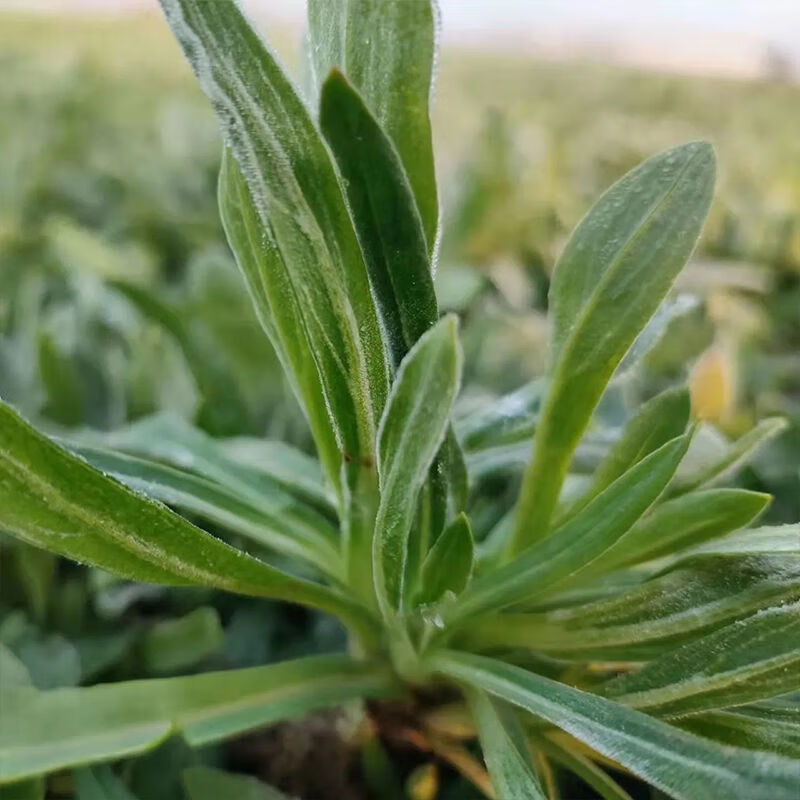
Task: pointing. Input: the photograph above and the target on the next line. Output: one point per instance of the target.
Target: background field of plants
(119, 299)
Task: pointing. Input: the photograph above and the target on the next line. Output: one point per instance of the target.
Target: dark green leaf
(448, 565)
(178, 644)
(387, 51)
(99, 783)
(202, 783)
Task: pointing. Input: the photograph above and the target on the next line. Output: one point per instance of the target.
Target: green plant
(632, 623)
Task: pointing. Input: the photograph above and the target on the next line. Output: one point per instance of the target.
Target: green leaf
(42, 732)
(696, 596)
(99, 783)
(772, 726)
(684, 766)
(272, 518)
(768, 540)
(575, 544)
(178, 644)
(12, 671)
(411, 430)
(55, 500)
(504, 748)
(385, 215)
(279, 311)
(165, 437)
(590, 773)
(684, 521)
(616, 269)
(291, 179)
(448, 565)
(750, 659)
(203, 783)
(657, 421)
(733, 457)
(387, 51)
(33, 789)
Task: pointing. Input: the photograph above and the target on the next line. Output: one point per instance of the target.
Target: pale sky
(701, 33)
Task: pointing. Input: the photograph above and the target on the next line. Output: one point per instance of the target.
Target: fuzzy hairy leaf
(44, 731)
(411, 430)
(683, 521)
(693, 598)
(576, 543)
(686, 767)
(772, 726)
(751, 659)
(387, 51)
(294, 188)
(54, 500)
(504, 749)
(616, 269)
(273, 519)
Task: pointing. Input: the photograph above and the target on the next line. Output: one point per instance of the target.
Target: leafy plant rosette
(637, 626)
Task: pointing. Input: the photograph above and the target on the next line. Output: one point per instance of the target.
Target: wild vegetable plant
(631, 625)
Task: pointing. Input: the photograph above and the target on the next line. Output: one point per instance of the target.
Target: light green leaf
(732, 458)
(99, 783)
(42, 732)
(768, 540)
(575, 544)
(750, 659)
(504, 749)
(294, 188)
(178, 644)
(772, 726)
(55, 500)
(684, 766)
(202, 783)
(657, 421)
(616, 269)
(271, 518)
(387, 51)
(12, 671)
(448, 565)
(695, 597)
(385, 215)
(684, 521)
(411, 430)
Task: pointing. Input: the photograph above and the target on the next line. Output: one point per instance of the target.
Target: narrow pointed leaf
(57, 501)
(657, 421)
(504, 749)
(751, 659)
(734, 457)
(273, 519)
(684, 766)
(768, 540)
(684, 521)
(694, 598)
(772, 726)
(411, 430)
(448, 565)
(616, 269)
(294, 188)
(386, 218)
(45, 731)
(270, 286)
(578, 542)
(387, 51)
